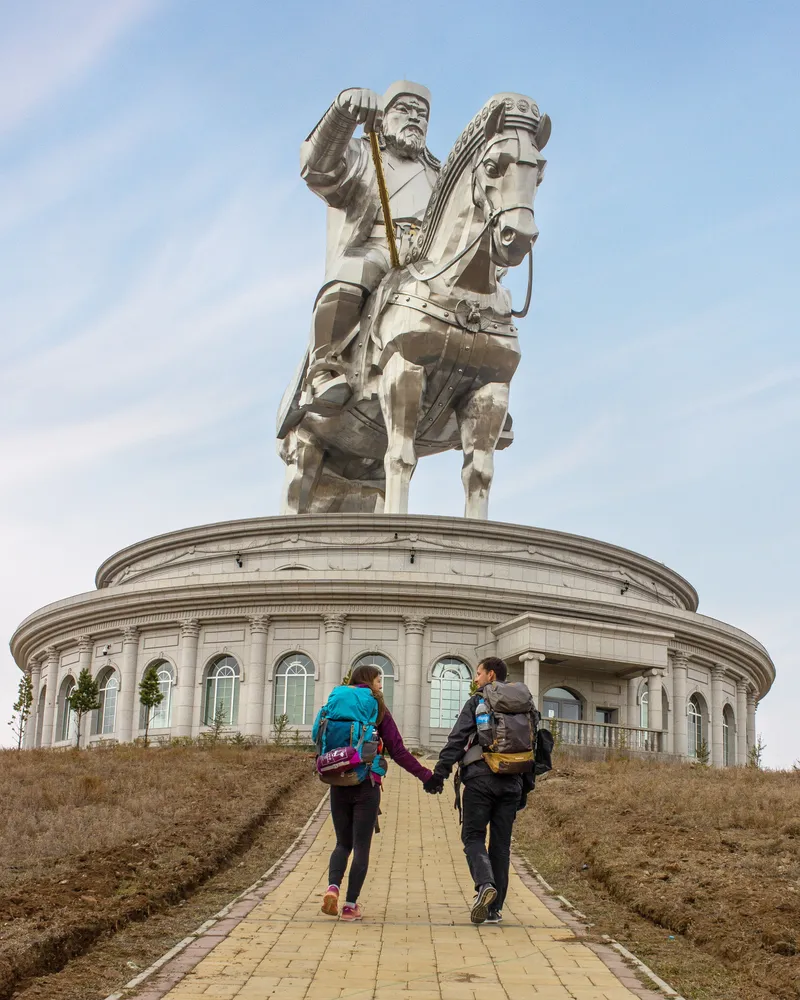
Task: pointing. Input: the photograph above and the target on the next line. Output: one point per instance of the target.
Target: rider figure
(339, 168)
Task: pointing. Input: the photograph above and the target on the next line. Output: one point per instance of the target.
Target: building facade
(253, 620)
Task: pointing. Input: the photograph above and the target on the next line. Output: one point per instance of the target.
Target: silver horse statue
(434, 354)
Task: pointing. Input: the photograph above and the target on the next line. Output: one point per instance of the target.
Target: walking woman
(354, 808)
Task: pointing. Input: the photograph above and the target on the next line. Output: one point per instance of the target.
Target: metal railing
(605, 735)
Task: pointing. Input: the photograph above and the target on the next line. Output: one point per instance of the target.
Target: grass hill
(696, 870)
(116, 854)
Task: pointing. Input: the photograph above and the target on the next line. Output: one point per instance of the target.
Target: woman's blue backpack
(348, 719)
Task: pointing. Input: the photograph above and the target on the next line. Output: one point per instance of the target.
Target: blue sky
(159, 256)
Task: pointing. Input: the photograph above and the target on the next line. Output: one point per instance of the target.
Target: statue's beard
(408, 142)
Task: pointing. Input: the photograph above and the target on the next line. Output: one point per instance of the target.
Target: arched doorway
(559, 703)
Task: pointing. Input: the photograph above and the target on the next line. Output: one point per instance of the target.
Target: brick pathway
(416, 941)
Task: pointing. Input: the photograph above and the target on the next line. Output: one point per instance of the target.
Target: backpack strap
(473, 754)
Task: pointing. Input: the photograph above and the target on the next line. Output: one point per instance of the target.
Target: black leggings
(354, 810)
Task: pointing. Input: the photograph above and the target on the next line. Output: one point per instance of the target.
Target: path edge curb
(579, 922)
(270, 880)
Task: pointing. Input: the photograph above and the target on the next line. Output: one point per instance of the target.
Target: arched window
(387, 671)
(294, 689)
(67, 721)
(161, 714)
(644, 708)
(728, 736)
(107, 713)
(222, 691)
(695, 726)
(450, 684)
(559, 703)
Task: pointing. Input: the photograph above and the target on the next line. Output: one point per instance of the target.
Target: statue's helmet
(400, 87)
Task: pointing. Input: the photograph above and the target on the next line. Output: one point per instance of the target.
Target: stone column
(256, 675)
(89, 722)
(668, 723)
(128, 705)
(717, 749)
(680, 666)
(51, 667)
(752, 704)
(530, 665)
(655, 720)
(634, 716)
(35, 671)
(187, 670)
(741, 723)
(332, 672)
(412, 689)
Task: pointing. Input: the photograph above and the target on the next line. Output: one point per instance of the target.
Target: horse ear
(495, 123)
(543, 131)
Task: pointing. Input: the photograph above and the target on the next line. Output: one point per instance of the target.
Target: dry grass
(710, 857)
(92, 840)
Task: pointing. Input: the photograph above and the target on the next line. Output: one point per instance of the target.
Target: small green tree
(755, 755)
(22, 709)
(703, 754)
(217, 725)
(150, 696)
(84, 697)
(280, 735)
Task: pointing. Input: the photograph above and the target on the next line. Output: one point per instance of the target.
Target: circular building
(258, 619)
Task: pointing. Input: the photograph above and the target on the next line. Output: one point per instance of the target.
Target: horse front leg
(304, 456)
(400, 394)
(481, 417)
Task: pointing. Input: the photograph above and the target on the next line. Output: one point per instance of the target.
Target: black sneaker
(484, 898)
(494, 916)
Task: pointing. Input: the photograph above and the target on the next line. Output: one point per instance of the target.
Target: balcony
(605, 736)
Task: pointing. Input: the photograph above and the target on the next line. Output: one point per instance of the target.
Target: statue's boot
(336, 315)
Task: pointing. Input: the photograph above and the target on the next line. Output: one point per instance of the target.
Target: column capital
(190, 628)
(751, 697)
(529, 655)
(34, 664)
(85, 643)
(334, 622)
(742, 687)
(655, 672)
(414, 625)
(130, 633)
(718, 672)
(679, 658)
(259, 624)
(51, 653)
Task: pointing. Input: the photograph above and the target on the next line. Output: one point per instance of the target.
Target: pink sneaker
(330, 901)
(351, 912)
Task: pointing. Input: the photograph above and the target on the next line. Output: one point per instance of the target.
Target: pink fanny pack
(338, 760)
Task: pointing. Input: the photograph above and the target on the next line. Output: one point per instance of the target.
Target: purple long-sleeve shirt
(393, 741)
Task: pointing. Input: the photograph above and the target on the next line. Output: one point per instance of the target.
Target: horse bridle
(491, 220)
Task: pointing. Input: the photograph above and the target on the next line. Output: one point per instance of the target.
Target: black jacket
(463, 733)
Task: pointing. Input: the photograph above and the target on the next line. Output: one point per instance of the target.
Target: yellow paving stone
(416, 941)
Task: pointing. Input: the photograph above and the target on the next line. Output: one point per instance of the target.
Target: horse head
(506, 170)
(496, 165)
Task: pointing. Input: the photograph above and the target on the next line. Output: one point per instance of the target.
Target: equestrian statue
(413, 336)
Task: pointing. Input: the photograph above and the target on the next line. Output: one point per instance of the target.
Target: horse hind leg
(304, 457)
(400, 394)
(481, 418)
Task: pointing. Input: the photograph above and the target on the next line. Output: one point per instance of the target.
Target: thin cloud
(47, 45)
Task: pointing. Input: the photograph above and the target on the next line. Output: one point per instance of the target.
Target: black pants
(490, 800)
(354, 810)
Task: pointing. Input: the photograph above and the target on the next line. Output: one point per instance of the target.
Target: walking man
(493, 744)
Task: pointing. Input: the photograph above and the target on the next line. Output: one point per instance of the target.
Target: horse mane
(521, 112)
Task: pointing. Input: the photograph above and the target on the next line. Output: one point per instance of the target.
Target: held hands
(434, 785)
(362, 105)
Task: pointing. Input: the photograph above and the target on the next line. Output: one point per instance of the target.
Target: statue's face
(405, 125)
